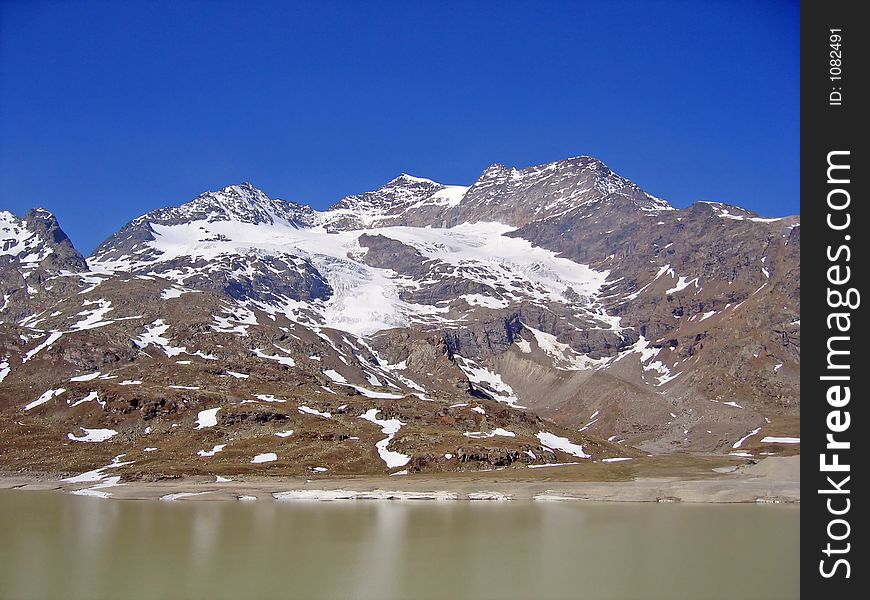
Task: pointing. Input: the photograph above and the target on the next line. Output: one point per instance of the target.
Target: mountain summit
(241, 203)
(555, 302)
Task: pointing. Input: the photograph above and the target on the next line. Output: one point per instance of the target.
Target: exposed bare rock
(419, 325)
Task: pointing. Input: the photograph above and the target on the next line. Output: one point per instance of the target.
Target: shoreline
(774, 480)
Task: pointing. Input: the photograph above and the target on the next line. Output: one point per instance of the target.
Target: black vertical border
(826, 128)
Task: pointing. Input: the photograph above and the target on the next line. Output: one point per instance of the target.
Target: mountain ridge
(561, 288)
(502, 171)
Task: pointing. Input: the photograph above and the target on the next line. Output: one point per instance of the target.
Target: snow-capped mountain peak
(404, 178)
(395, 194)
(243, 202)
(33, 251)
(394, 203)
(549, 189)
(562, 288)
(31, 239)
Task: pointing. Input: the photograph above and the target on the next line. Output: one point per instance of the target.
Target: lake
(55, 545)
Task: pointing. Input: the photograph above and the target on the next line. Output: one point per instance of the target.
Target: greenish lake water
(55, 545)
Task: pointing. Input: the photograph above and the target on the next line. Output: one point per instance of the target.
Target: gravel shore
(774, 479)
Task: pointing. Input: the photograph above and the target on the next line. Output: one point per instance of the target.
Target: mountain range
(546, 315)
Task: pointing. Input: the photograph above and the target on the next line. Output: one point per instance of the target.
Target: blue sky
(110, 109)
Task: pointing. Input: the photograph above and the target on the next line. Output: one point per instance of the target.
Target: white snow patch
(390, 427)
(179, 495)
(564, 357)
(264, 458)
(96, 490)
(45, 397)
(175, 292)
(555, 442)
(491, 382)
(451, 195)
(484, 301)
(332, 495)
(87, 377)
(238, 320)
(91, 397)
(373, 394)
(93, 318)
(93, 435)
(284, 360)
(524, 345)
(97, 474)
(497, 431)
(723, 212)
(154, 336)
(739, 442)
(311, 411)
(269, 398)
(207, 418)
(51, 339)
(335, 376)
(642, 347)
(207, 453)
(682, 283)
(497, 496)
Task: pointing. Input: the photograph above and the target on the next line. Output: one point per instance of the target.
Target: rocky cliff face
(524, 319)
(34, 251)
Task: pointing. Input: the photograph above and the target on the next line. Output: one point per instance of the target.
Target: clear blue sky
(110, 109)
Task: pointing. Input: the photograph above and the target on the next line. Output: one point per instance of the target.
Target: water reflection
(61, 546)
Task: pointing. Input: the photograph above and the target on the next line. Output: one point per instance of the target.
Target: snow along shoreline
(772, 481)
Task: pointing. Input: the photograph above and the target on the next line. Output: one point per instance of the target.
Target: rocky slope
(546, 315)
